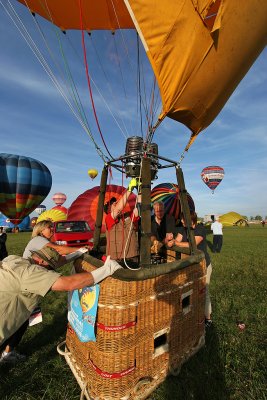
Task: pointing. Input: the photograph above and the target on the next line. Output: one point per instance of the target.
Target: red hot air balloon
(61, 208)
(212, 176)
(59, 198)
(85, 206)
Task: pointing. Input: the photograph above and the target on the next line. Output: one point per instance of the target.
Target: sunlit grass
(231, 365)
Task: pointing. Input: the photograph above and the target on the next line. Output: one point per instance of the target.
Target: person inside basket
(200, 238)
(122, 229)
(162, 227)
(22, 285)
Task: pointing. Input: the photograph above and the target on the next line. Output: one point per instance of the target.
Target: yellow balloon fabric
(189, 44)
(92, 173)
(53, 215)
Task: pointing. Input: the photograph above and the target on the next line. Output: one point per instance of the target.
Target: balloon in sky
(92, 173)
(169, 194)
(24, 183)
(40, 209)
(85, 206)
(53, 215)
(212, 176)
(59, 198)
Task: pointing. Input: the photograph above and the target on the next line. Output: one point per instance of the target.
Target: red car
(73, 233)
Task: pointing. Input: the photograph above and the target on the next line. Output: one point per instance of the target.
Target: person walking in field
(22, 285)
(216, 228)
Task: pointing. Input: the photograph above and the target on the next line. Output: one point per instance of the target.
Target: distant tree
(258, 218)
(265, 217)
(251, 218)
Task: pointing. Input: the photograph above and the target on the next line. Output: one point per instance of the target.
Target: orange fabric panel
(97, 14)
(197, 67)
(197, 70)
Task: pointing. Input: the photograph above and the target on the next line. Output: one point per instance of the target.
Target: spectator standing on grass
(22, 285)
(216, 228)
(3, 239)
(201, 242)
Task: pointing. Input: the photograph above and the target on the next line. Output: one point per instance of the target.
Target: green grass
(231, 365)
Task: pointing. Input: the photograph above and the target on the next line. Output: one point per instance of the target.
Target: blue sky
(35, 121)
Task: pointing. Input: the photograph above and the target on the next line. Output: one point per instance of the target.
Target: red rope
(88, 79)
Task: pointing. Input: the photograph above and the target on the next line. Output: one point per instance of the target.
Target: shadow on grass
(202, 377)
(33, 375)
(210, 245)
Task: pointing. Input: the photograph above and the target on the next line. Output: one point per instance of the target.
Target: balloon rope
(88, 80)
(123, 219)
(143, 102)
(73, 93)
(131, 226)
(32, 45)
(114, 98)
(151, 111)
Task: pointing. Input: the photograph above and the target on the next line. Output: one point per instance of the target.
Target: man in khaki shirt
(22, 285)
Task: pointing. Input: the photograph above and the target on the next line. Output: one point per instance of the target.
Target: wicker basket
(145, 330)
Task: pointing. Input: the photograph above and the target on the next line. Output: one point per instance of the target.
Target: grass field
(232, 365)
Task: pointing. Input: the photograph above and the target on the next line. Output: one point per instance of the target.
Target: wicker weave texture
(145, 329)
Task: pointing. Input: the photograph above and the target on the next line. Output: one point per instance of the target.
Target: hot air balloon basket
(145, 330)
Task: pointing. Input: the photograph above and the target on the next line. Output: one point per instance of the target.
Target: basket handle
(62, 352)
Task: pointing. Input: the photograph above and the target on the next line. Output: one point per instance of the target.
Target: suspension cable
(32, 45)
(89, 82)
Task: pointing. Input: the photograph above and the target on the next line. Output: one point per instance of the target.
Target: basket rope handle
(62, 352)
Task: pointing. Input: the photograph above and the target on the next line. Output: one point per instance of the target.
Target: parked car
(73, 233)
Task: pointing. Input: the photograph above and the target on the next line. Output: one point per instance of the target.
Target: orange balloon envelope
(188, 43)
(85, 206)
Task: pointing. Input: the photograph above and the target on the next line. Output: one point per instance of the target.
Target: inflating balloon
(59, 198)
(169, 194)
(24, 183)
(92, 173)
(85, 206)
(212, 176)
(40, 209)
(189, 52)
(52, 215)
(23, 225)
(61, 208)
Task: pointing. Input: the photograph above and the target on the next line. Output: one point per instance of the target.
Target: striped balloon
(59, 198)
(212, 176)
(24, 184)
(169, 194)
